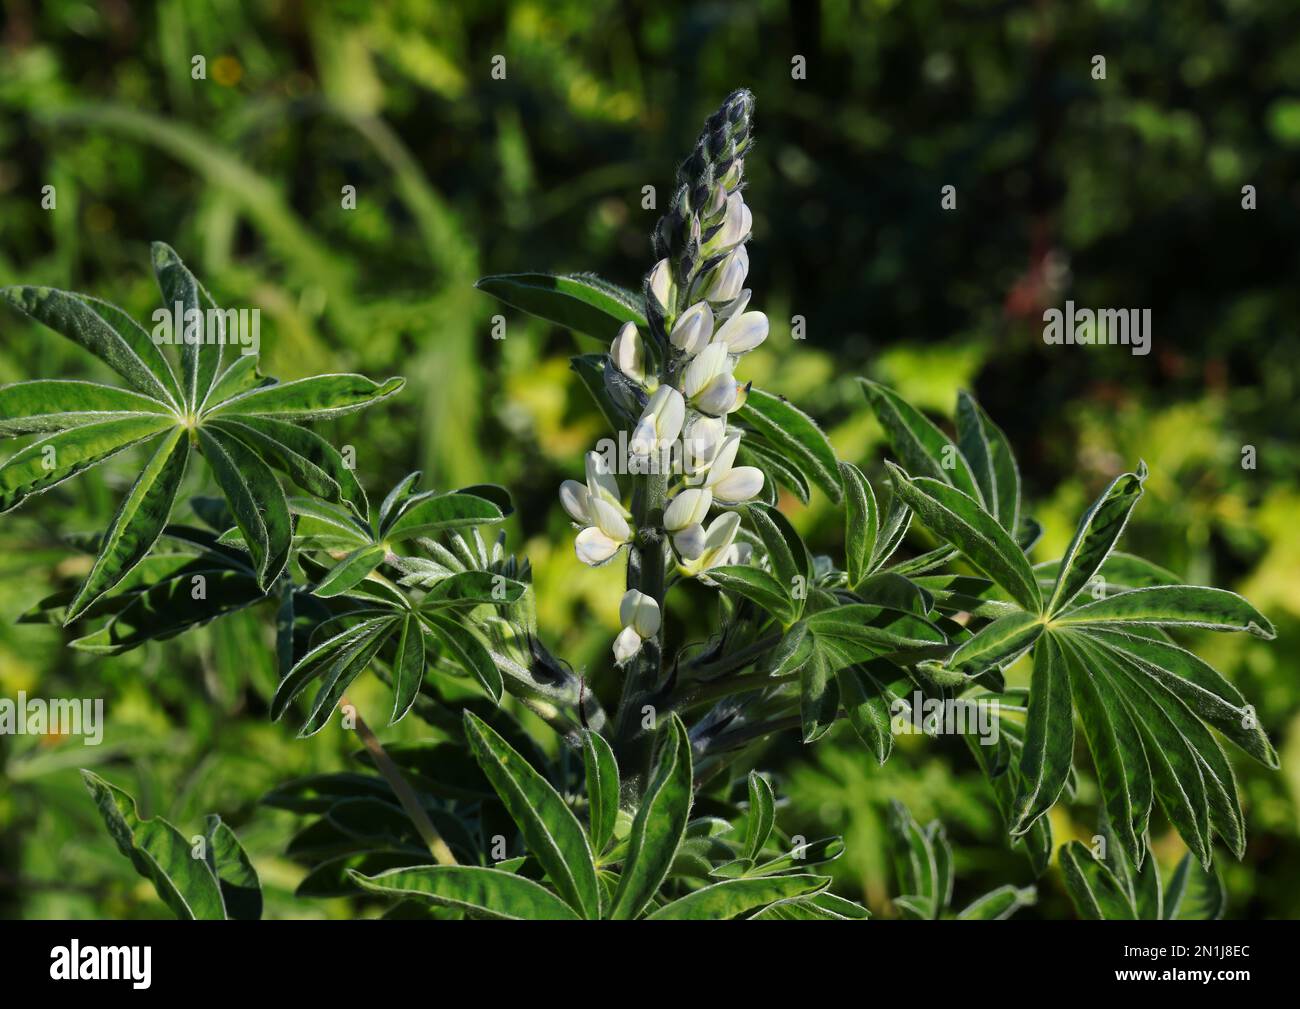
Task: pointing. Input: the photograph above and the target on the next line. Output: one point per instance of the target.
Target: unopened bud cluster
(683, 368)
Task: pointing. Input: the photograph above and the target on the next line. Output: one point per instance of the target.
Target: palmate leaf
(736, 897)
(1172, 606)
(581, 301)
(1099, 529)
(551, 831)
(234, 417)
(221, 885)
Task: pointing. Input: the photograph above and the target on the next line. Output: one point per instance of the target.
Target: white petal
(628, 352)
(644, 436)
(744, 332)
(610, 520)
(701, 442)
(688, 508)
(576, 500)
(672, 416)
(601, 482)
(719, 396)
(722, 531)
(724, 460)
(692, 332)
(707, 366)
(594, 547)
(626, 645)
(689, 543)
(741, 484)
(639, 612)
(733, 308)
(661, 284)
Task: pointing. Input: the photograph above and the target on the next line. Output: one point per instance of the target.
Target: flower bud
(693, 330)
(718, 398)
(700, 443)
(727, 279)
(626, 646)
(661, 422)
(576, 500)
(628, 352)
(662, 287)
(734, 307)
(601, 483)
(736, 225)
(688, 508)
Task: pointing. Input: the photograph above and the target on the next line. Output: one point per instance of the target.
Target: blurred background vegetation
(1123, 192)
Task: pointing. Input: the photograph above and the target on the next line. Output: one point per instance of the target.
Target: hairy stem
(404, 792)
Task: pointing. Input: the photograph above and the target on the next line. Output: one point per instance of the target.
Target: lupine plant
(652, 807)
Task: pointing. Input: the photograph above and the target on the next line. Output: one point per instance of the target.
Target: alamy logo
(935, 716)
(67, 716)
(75, 962)
(1129, 327)
(215, 327)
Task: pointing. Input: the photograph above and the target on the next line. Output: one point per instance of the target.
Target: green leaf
(438, 513)
(479, 892)
(868, 692)
(346, 668)
(1049, 735)
(1123, 775)
(551, 831)
(308, 459)
(1195, 894)
(1174, 606)
(165, 609)
(924, 449)
(107, 332)
(754, 451)
(735, 897)
(578, 301)
(958, 519)
(1119, 571)
(998, 643)
(762, 815)
(999, 904)
(602, 788)
(349, 571)
(337, 649)
(658, 827)
(45, 406)
(138, 523)
(757, 586)
(160, 853)
(255, 498)
(241, 890)
(48, 462)
(1098, 531)
(786, 552)
(1093, 888)
(994, 465)
(473, 588)
(200, 361)
(819, 695)
(918, 856)
(795, 435)
(468, 652)
(241, 376)
(1201, 687)
(309, 398)
(862, 523)
(869, 631)
(408, 668)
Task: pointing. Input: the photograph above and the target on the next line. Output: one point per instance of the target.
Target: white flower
(662, 287)
(606, 536)
(661, 421)
(689, 542)
(601, 485)
(640, 612)
(700, 443)
(725, 281)
(628, 352)
(717, 545)
(736, 224)
(640, 616)
(693, 330)
(733, 484)
(688, 508)
(743, 332)
(708, 382)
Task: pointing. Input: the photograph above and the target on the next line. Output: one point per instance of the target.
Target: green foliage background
(1121, 193)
